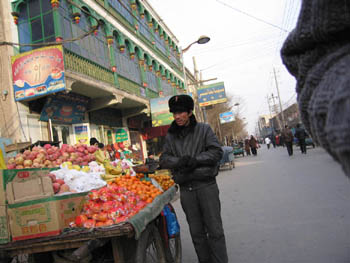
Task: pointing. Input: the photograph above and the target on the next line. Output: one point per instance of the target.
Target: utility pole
(279, 98)
(202, 111)
(275, 110)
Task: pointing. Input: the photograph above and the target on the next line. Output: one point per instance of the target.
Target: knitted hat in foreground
(181, 103)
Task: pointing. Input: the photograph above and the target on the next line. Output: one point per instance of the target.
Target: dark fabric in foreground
(317, 54)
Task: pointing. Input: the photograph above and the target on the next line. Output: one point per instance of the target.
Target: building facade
(116, 55)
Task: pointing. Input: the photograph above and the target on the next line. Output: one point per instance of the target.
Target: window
(167, 88)
(126, 67)
(152, 81)
(93, 47)
(35, 23)
(123, 8)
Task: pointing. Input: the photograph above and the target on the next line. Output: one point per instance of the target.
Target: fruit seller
(192, 152)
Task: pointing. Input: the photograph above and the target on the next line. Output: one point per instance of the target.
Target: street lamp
(201, 40)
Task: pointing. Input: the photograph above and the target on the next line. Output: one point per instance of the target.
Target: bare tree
(231, 130)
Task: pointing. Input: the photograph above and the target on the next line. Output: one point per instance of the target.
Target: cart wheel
(173, 250)
(149, 247)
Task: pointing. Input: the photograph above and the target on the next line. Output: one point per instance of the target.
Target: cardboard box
(26, 190)
(44, 217)
(4, 226)
(18, 175)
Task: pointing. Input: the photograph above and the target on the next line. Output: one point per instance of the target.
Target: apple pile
(58, 185)
(52, 156)
(109, 205)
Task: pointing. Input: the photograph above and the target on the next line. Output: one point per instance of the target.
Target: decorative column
(56, 20)
(110, 42)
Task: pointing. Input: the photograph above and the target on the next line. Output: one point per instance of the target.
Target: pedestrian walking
(268, 142)
(288, 139)
(247, 146)
(273, 140)
(281, 139)
(192, 152)
(300, 134)
(253, 143)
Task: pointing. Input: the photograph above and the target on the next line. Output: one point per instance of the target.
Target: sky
(244, 47)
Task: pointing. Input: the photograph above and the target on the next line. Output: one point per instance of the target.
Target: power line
(251, 16)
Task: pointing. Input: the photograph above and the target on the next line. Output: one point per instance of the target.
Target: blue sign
(226, 117)
(65, 108)
(211, 94)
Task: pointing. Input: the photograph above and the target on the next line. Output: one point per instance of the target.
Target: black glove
(192, 163)
(183, 161)
(180, 178)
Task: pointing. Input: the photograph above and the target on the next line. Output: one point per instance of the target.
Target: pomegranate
(27, 163)
(47, 146)
(19, 160)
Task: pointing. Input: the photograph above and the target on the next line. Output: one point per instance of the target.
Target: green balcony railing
(129, 86)
(81, 65)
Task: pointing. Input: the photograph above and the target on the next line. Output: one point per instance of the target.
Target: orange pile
(144, 189)
(163, 180)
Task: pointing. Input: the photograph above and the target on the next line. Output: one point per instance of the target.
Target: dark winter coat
(253, 143)
(300, 133)
(196, 140)
(287, 135)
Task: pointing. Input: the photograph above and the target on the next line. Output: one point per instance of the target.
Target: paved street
(281, 209)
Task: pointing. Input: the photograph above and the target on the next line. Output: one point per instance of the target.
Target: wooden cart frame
(78, 244)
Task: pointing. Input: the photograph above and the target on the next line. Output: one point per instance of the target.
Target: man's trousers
(203, 213)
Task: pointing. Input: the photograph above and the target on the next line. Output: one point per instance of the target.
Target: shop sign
(65, 108)
(38, 72)
(81, 133)
(160, 112)
(211, 94)
(121, 135)
(226, 117)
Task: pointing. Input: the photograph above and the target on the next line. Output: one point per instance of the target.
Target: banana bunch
(110, 169)
(108, 177)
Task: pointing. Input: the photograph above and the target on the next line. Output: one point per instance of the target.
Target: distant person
(268, 142)
(253, 143)
(316, 53)
(281, 139)
(277, 138)
(247, 146)
(273, 140)
(301, 135)
(94, 142)
(288, 139)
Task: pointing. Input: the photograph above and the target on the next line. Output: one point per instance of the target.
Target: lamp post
(200, 40)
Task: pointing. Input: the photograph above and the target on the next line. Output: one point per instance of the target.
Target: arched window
(166, 87)
(144, 29)
(35, 23)
(99, 44)
(122, 8)
(94, 46)
(66, 23)
(160, 44)
(152, 78)
(126, 66)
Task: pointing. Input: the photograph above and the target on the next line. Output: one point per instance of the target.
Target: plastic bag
(172, 225)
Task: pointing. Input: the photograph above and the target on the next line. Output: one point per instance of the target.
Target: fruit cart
(142, 238)
(227, 159)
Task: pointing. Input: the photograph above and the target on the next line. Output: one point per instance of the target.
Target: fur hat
(181, 103)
